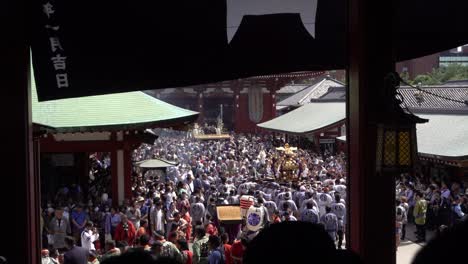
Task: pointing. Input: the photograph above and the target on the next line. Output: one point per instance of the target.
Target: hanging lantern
(396, 131)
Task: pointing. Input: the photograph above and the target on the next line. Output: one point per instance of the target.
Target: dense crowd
(173, 213)
(430, 204)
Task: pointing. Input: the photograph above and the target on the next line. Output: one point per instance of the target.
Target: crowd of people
(429, 204)
(173, 213)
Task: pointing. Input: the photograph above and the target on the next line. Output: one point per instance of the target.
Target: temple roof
(121, 111)
(444, 135)
(314, 91)
(434, 104)
(292, 88)
(308, 118)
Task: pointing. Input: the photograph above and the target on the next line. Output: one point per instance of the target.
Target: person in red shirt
(125, 231)
(227, 248)
(142, 230)
(276, 217)
(186, 216)
(187, 255)
(210, 227)
(238, 249)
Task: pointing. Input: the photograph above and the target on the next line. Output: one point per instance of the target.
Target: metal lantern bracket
(396, 130)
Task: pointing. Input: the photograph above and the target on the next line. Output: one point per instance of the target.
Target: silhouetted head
(295, 242)
(447, 247)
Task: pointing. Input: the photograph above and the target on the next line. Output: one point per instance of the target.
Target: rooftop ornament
(419, 95)
(288, 164)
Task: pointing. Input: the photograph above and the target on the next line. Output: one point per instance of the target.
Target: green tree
(443, 74)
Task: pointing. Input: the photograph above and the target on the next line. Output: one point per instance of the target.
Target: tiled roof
(433, 103)
(334, 93)
(291, 88)
(314, 91)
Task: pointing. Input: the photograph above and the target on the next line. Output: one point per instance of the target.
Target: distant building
(427, 64)
(326, 95)
(322, 88)
(454, 56)
(241, 104)
(419, 66)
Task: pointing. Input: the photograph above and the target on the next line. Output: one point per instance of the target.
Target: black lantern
(396, 131)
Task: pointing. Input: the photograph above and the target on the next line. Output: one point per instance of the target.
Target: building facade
(241, 104)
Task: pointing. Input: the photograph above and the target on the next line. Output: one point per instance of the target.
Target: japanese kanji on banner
(81, 48)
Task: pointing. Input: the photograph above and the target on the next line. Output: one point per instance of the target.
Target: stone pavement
(408, 249)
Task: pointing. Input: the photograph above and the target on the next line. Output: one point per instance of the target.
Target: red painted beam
(48, 145)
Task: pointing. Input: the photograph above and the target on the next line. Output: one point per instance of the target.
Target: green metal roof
(444, 135)
(308, 118)
(122, 111)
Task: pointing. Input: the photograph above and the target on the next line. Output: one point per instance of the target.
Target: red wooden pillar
(371, 195)
(19, 190)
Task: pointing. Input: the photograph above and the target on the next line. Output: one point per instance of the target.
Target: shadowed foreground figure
(138, 256)
(449, 246)
(296, 242)
(287, 242)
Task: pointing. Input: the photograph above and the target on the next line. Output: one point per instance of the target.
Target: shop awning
(341, 138)
(308, 118)
(156, 164)
(82, 49)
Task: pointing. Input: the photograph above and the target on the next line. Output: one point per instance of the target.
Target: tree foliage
(442, 75)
